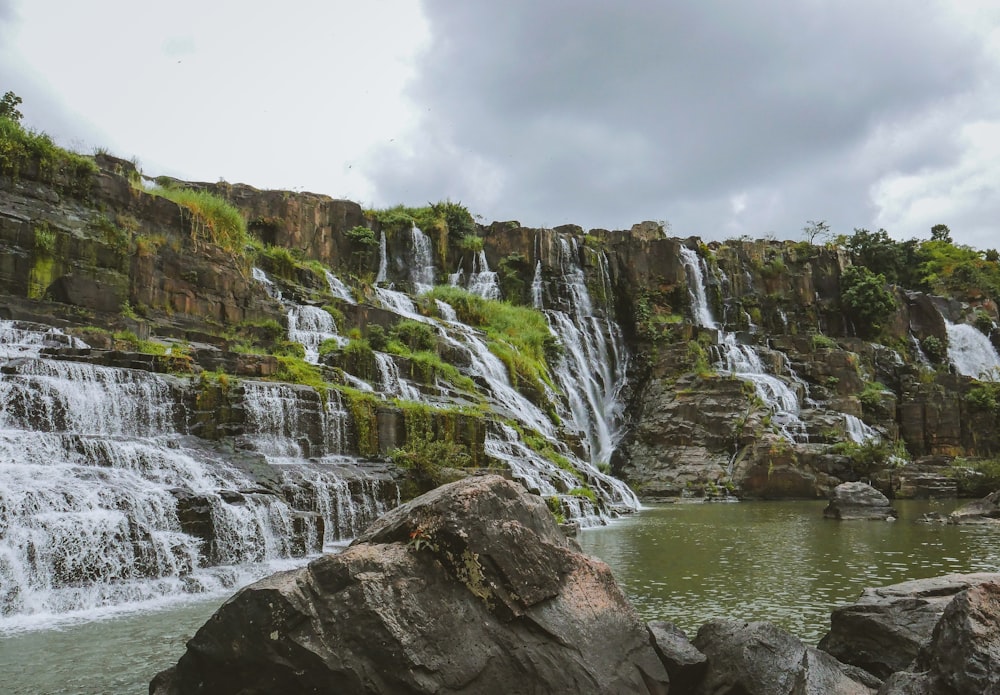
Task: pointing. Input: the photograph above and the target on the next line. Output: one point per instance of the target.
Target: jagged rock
(907, 683)
(761, 659)
(984, 511)
(685, 664)
(964, 652)
(858, 500)
(883, 631)
(471, 588)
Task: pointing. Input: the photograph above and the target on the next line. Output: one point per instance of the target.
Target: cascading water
(96, 475)
(422, 270)
(743, 361)
(971, 352)
(311, 326)
(482, 280)
(338, 289)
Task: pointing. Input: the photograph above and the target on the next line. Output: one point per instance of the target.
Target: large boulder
(759, 658)
(963, 655)
(471, 588)
(883, 631)
(858, 500)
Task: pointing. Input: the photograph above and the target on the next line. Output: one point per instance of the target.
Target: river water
(779, 561)
(685, 562)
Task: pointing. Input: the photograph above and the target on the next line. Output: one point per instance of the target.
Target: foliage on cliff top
(934, 265)
(453, 218)
(20, 146)
(214, 219)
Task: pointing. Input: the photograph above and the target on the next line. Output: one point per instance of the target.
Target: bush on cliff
(864, 295)
(21, 147)
(213, 219)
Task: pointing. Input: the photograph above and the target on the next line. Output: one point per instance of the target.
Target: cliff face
(307, 379)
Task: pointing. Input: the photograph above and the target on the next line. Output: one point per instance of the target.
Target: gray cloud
(608, 113)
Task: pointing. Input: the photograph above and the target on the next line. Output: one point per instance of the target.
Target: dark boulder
(761, 659)
(858, 500)
(685, 664)
(471, 588)
(883, 631)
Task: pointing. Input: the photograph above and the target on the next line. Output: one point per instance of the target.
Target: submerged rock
(884, 630)
(858, 501)
(471, 588)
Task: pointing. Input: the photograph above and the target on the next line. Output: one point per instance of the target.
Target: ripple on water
(776, 561)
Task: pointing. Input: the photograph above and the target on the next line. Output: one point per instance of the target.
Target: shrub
(864, 294)
(976, 477)
(415, 335)
(934, 348)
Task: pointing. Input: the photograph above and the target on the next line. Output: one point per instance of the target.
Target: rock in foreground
(471, 588)
(858, 501)
(885, 629)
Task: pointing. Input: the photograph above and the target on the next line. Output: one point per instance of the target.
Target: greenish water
(777, 561)
(686, 563)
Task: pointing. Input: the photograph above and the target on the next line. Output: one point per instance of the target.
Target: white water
(310, 326)
(857, 431)
(482, 280)
(91, 470)
(422, 270)
(338, 289)
(971, 352)
(390, 382)
(743, 361)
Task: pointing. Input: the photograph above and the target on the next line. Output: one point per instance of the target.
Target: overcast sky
(723, 117)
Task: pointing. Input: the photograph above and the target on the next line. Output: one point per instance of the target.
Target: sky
(722, 118)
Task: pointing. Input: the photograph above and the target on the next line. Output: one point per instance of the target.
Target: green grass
(213, 219)
(20, 146)
(519, 336)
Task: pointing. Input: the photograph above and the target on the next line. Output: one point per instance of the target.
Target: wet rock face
(858, 500)
(471, 588)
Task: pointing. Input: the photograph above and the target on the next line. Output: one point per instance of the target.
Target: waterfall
(592, 369)
(338, 289)
(422, 270)
(105, 502)
(307, 325)
(857, 431)
(971, 352)
(696, 289)
(310, 326)
(390, 382)
(483, 281)
(743, 361)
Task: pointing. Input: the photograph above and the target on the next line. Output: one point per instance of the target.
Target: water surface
(776, 561)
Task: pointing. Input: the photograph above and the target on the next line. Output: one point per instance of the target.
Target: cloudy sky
(722, 117)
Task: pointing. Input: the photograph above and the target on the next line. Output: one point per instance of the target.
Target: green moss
(362, 406)
(585, 492)
(297, 371)
(42, 274)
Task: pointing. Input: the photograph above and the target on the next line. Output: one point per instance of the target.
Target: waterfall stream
(105, 502)
(971, 352)
(743, 361)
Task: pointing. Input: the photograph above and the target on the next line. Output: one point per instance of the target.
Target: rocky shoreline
(473, 588)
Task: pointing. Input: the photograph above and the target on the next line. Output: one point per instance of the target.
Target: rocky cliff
(225, 354)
